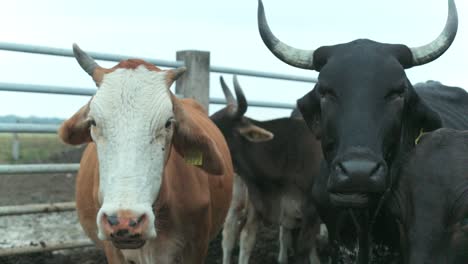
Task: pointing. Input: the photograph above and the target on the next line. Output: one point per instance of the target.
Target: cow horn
(295, 57)
(86, 62)
(429, 52)
(241, 101)
(230, 100)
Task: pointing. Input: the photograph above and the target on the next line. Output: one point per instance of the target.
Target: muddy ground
(25, 189)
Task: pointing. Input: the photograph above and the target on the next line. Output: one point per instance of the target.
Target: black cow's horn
(433, 50)
(86, 62)
(241, 101)
(230, 100)
(295, 57)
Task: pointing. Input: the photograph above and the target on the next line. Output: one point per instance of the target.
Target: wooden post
(15, 147)
(195, 82)
(15, 150)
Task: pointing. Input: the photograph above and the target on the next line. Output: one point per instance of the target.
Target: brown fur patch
(75, 130)
(190, 136)
(135, 63)
(99, 72)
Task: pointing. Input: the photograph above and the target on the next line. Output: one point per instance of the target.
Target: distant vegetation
(30, 119)
(34, 148)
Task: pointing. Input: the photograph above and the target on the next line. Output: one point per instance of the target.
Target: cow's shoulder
(443, 138)
(437, 89)
(450, 102)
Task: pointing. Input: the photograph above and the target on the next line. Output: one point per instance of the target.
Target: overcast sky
(228, 29)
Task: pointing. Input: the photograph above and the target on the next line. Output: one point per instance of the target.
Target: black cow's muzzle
(354, 179)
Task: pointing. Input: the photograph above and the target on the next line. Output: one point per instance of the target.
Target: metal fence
(197, 63)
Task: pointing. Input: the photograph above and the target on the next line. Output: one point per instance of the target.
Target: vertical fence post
(195, 83)
(15, 148)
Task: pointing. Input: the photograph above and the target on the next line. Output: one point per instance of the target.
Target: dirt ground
(24, 189)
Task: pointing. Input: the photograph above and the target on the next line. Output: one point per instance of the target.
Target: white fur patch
(131, 109)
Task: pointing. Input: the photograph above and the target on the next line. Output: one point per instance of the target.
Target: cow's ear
(75, 130)
(191, 139)
(418, 118)
(309, 106)
(255, 133)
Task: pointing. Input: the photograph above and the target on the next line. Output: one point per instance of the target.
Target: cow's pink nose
(124, 227)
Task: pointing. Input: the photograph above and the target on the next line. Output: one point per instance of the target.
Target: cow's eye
(92, 122)
(395, 94)
(327, 94)
(169, 123)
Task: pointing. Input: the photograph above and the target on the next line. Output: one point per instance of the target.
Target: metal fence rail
(33, 88)
(27, 128)
(48, 89)
(39, 168)
(164, 63)
(43, 247)
(36, 208)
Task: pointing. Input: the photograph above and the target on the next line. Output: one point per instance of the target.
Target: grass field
(34, 148)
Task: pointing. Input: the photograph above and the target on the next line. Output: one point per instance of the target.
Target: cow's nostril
(375, 169)
(132, 223)
(141, 218)
(341, 169)
(112, 220)
(135, 236)
(121, 232)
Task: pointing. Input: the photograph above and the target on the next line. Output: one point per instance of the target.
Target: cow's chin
(353, 200)
(129, 244)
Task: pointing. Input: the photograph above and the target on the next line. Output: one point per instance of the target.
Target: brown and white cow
(155, 183)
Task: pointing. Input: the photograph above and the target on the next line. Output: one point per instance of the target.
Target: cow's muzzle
(352, 180)
(125, 232)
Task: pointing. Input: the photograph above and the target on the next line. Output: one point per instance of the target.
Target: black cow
(364, 107)
(277, 161)
(430, 200)
(451, 104)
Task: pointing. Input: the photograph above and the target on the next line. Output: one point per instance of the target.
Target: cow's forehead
(141, 92)
(358, 66)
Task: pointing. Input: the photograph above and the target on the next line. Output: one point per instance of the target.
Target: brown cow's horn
(295, 57)
(241, 101)
(177, 72)
(86, 62)
(230, 100)
(174, 74)
(433, 50)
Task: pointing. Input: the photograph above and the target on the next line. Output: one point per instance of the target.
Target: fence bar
(38, 168)
(36, 208)
(69, 53)
(27, 128)
(45, 247)
(50, 89)
(256, 103)
(262, 74)
(164, 63)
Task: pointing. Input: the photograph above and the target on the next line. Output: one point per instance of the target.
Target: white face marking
(131, 109)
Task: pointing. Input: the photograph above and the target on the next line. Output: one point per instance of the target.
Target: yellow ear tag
(194, 157)
(421, 133)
